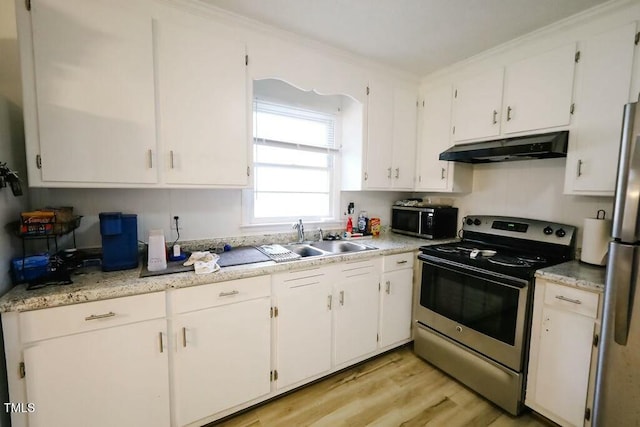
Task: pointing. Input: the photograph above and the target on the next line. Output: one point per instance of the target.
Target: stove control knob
(477, 221)
(469, 221)
(560, 232)
(547, 230)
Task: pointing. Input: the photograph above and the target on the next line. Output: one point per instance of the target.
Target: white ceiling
(419, 36)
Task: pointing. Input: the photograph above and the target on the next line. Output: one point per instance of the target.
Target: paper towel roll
(596, 235)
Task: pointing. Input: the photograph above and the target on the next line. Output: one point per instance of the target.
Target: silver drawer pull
(161, 339)
(100, 316)
(402, 262)
(573, 301)
(228, 294)
(184, 337)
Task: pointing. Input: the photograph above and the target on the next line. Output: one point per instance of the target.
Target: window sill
(288, 226)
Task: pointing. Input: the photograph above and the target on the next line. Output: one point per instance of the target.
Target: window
(295, 154)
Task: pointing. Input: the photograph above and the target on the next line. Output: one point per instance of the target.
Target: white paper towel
(596, 235)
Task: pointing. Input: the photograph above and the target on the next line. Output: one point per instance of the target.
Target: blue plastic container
(119, 241)
(30, 267)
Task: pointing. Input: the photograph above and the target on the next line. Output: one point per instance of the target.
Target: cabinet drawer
(215, 294)
(59, 321)
(350, 267)
(572, 299)
(294, 279)
(398, 262)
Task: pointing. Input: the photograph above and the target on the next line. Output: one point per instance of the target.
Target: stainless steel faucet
(300, 229)
(321, 234)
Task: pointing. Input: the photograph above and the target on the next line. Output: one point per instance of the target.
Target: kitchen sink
(338, 246)
(323, 248)
(305, 250)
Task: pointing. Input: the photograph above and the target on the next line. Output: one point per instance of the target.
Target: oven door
(483, 313)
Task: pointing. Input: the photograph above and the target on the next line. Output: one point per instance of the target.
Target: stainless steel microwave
(428, 222)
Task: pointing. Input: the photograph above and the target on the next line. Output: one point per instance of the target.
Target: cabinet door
(379, 150)
(477, 105)
(604, 80)
(356, 298)
(404, 138)
(95, 90)
(564, 359)
(109, 377)
(303, 344)
(538, 91)
(202, 92)
(395, 307)
(222, 359)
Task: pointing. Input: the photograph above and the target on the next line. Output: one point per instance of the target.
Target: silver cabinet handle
(397, 173)
(184, 337)
(100, 316)
(389, 173)
(573, 301)
(341, 297)
(366, 176)
(404, 261)
(161, 339)
(509, 109)
(579, 168)
(329, 298)
(495, 116)
(442, 173)
(388, 287)
(150, 159)
(228, 294)
(171, 162)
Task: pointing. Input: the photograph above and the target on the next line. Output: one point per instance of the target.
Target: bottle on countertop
(362, 222)
(349, 225)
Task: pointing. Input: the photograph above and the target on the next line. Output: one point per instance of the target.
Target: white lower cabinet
(193, 355)
(396, 299)
(100, 364)
(355, 308)
(562, 356)
(303, 324)
(223, 346)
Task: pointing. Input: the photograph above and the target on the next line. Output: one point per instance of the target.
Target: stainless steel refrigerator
(617, 396)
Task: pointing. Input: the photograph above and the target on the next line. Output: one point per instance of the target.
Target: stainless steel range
(473, 314)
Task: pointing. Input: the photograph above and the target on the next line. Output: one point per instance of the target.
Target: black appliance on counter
(473, 314)
(427, 222)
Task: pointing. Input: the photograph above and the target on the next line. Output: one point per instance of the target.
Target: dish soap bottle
(349, 225)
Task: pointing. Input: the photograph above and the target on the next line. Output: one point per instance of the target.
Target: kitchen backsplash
(530, 189)
(204, 214)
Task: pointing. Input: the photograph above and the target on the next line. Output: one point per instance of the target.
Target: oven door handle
(468, 270)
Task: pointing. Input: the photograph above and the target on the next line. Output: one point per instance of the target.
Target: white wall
(203, 213)
(528, 189)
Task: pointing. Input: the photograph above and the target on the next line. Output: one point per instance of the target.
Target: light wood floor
(394, 389)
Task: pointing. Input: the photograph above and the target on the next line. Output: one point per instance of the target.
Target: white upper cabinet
(391, 136)
(405, 128)
(435, 137)
(530, 95)
(538, 91)
(202, 101)
(477, 105)
(93, 85)
(603, 85)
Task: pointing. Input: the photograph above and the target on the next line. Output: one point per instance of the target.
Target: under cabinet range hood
(540, 146)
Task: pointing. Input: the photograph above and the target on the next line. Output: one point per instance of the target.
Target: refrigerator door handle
(620, 278)
(627, 202)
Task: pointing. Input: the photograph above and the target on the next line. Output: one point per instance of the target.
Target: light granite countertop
(94, 285)
(576, 274)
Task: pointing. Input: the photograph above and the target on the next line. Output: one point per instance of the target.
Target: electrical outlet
(172, 222)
